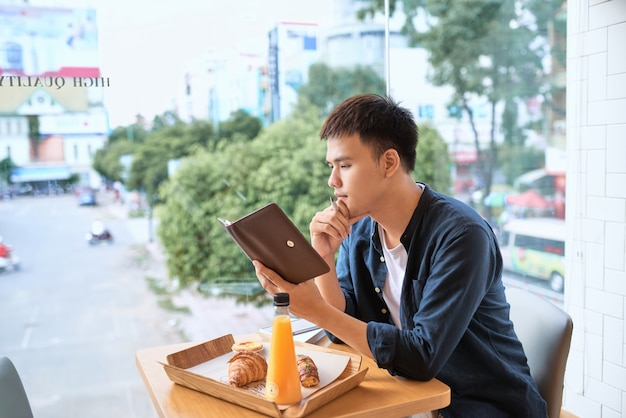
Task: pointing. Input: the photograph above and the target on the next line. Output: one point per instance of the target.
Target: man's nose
(333, 180)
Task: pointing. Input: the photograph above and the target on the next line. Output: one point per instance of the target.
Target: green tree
(150, 160)
(132, 133)
(173, 139)
(327, 87)
(167, 119)
(34, 134)
(6, 165)
(242, 123)
(484, 49)
(284, 164)
(432, 163)
(474, 49)
(107, 159)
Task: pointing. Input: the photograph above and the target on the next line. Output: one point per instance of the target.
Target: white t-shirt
(396, 259)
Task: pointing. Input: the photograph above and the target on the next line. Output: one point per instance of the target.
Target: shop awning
(529, 199)
(25, 174)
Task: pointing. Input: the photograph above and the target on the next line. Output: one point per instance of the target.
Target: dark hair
(381, 124)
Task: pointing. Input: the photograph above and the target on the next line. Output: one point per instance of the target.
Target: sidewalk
(210, 317)
(119, 210)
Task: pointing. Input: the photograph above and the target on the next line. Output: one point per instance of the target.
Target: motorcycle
(94, 239)
(9, 260)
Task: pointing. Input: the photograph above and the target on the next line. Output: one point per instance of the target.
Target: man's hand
(305, 300)
(330, 227)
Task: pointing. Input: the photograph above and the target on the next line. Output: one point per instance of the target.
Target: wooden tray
(180, 361)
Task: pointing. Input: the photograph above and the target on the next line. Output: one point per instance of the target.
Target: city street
(73, 317)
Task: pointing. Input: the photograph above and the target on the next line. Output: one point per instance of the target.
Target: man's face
(355, 176)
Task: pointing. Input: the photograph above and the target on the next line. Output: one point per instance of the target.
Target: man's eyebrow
(338, 160)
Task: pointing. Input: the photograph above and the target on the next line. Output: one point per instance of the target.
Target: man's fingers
(265, 277)
(331, 222)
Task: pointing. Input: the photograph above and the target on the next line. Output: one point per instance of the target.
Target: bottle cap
(281, 299)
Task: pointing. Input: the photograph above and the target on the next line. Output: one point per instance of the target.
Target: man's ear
(390, 162)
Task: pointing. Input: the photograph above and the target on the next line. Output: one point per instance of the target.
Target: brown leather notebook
(268, 235)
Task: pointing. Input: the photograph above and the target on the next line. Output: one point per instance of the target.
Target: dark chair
(13, 400)
(545, 332)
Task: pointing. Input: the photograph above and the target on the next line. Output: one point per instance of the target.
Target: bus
(535, 247)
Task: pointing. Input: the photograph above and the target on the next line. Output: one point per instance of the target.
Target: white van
(535, 247)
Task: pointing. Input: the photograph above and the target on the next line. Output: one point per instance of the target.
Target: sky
(145, 46)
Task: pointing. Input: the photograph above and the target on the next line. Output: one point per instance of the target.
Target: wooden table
(380, 394)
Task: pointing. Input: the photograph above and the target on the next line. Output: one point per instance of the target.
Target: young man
(417, 285)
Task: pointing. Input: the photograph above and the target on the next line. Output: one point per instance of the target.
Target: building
(216, 85)
(352, 44)
(265, 86)
(52, 119)
(293, 48)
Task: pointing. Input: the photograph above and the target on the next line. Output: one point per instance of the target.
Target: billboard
(48, 42)
(74, 123)
(28, 174)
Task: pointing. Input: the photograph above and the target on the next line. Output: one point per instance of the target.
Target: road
(73, 317)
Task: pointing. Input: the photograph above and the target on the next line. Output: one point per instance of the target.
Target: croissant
(309, 375)
(246, 367)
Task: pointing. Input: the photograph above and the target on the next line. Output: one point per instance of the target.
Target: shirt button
(377, 289)
(382, 259)
(383, 310)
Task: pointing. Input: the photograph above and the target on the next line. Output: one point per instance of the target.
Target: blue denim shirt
(454, 314)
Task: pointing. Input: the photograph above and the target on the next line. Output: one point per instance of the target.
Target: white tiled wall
(595, 295)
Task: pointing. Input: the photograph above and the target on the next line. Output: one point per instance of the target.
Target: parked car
(86, 197)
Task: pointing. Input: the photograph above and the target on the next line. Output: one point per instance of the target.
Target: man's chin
(357, 214)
